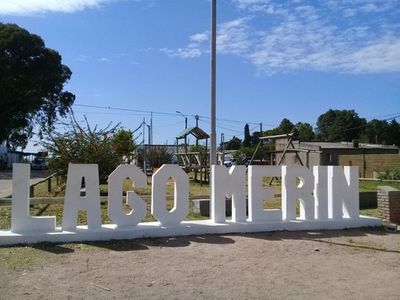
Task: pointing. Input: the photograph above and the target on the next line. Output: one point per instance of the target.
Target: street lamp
(185, 117)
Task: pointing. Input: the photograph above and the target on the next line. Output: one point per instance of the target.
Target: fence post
(49, 184)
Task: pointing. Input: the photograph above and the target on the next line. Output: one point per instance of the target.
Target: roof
(344, 145)
(279, 136)
(197, 132)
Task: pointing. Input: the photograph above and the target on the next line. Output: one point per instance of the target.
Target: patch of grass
(196, 189)
(372, 186)
(372, 212)
(20, 258)
(5, 217)
(41, 190)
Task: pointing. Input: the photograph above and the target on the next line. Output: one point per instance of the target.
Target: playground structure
(196, 162)
(278, 154)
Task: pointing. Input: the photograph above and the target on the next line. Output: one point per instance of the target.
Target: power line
(126, 109)
(160, 113)
(228, 122)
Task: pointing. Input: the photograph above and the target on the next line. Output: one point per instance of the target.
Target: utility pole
(144, 130)
(261, 152)
(149, 134)
(151, 129)
(222, 148)
(213, 138)
(144, 145)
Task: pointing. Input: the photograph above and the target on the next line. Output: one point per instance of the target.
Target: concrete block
(368, 200)
(202, 207)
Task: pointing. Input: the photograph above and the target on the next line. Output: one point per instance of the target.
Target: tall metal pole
(144, 145)
(213, 137)
(151, 128)
(149, 134)
(261, 152)
(144, 130)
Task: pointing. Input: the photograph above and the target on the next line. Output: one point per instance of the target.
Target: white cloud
(104, 60)
(27, 7)
(195, 48)
(233, 37)
(380, 56)
(199, 37)
(286, 36)
(182, 52)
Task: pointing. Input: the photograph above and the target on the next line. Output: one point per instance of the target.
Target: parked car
(39, 164)
(229, 162)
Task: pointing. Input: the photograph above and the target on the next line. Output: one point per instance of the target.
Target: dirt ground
(347, 264)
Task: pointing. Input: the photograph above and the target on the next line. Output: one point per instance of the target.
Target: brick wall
(373, 162)
(389, 204)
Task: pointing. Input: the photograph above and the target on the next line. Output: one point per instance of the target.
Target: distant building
(8, 157)
(367, 157)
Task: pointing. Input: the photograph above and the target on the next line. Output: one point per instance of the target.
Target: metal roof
(197, 132)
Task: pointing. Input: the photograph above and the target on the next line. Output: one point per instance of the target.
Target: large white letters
(21, 221)
(257, 194)
(73, 201)
(321, 192)
(115, 181)
(225, 183)
(343, 192)
(159, 195)
(328, 198)
(292, 192)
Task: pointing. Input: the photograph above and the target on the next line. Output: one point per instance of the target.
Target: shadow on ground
(324, 236)
(185, 241)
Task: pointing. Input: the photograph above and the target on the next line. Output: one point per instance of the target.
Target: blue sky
(275, 59)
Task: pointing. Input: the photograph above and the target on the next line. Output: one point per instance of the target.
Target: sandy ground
(348, 264)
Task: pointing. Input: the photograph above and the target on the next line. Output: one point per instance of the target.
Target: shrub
(85, 145)
(390, 174)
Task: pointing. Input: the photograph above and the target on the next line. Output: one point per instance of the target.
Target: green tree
(123, 144)
(394, 133)
(339, 125)
(377, 131)
(285, 126)
(199, 148)
(255, 138)
(247, 137)
(233, 144)
(32, 79)
(304, 132)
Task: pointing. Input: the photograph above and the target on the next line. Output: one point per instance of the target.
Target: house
(8, 157)
(369, 158)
